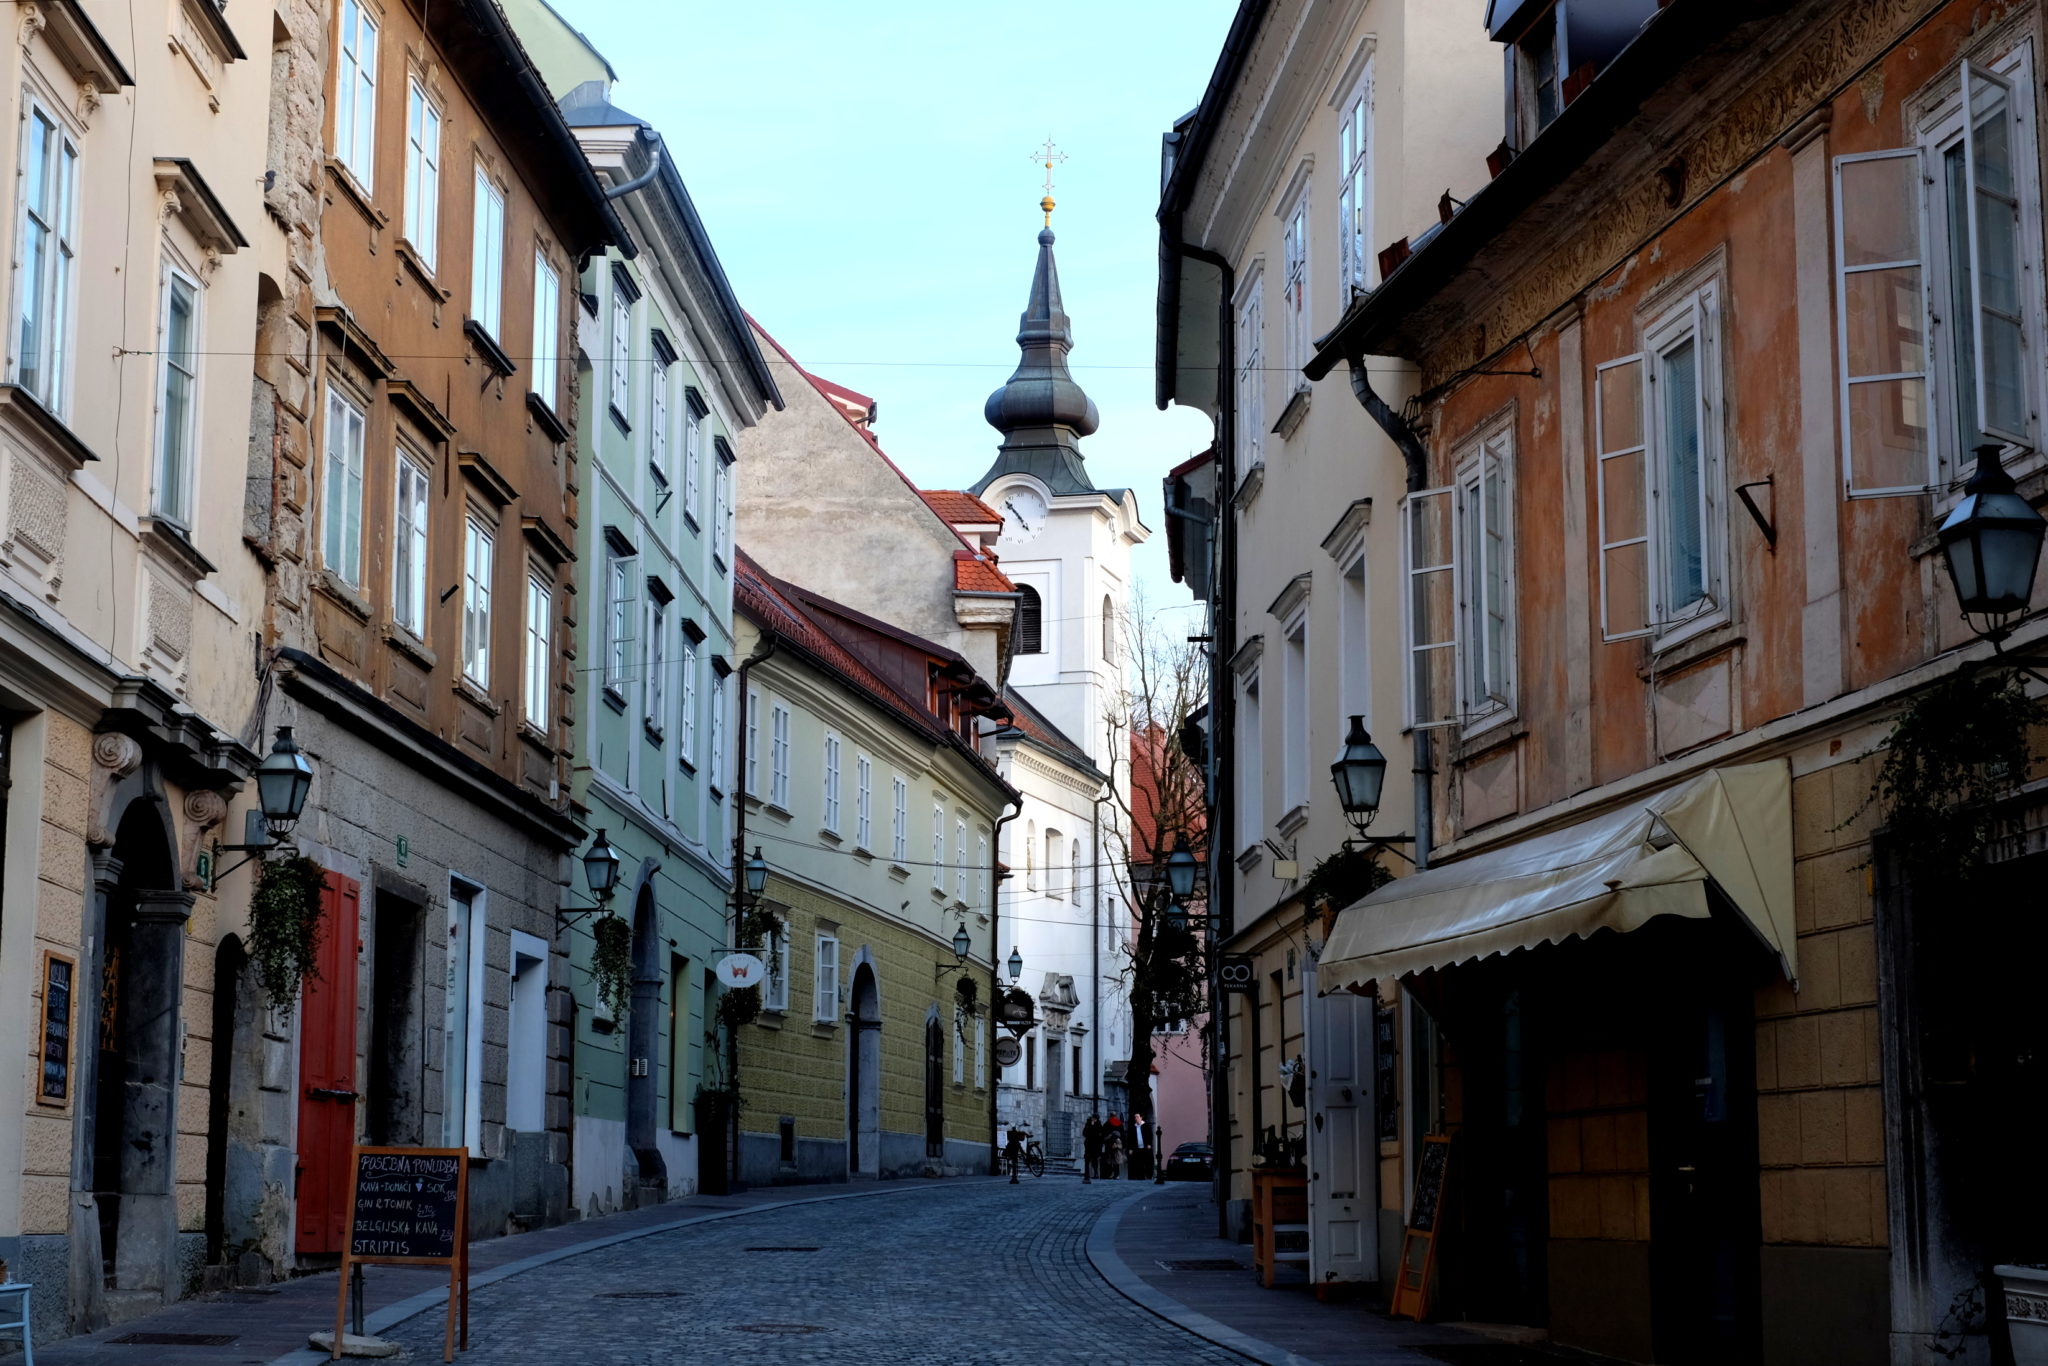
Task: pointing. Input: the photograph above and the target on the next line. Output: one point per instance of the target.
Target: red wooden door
(327, 1071)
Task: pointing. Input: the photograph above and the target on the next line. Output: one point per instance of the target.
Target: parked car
(1191, 1162)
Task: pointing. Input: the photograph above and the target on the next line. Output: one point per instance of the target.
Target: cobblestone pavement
(960, 1273)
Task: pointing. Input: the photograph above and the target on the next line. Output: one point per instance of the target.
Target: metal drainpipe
(1222, 714)
(1095, 976)
(645, 178)
(766, 647)
(1417, 460)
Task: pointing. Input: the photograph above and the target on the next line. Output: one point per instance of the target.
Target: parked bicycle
(1022, 1153)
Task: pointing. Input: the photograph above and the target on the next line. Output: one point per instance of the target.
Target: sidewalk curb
(391, 1315)
(1126, 1282)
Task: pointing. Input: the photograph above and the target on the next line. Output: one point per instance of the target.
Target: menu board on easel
(1418, 1244)
(409, 1207)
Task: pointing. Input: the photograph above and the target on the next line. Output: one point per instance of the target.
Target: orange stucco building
(416, 380)
(1700, 372)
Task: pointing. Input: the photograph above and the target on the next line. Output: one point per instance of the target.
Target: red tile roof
(1032, 723)
(782, 608)
(961, 508)
(971, 574)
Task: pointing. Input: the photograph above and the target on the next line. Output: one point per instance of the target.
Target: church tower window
(1030, 621)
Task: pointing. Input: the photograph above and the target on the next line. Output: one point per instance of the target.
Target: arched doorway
(643, 1046)
(131, 1133)
(864, 1077)
(229, 960)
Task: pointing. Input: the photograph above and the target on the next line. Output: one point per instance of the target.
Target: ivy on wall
(1956, 748)
(284, 926)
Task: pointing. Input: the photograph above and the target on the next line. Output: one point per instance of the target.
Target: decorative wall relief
(35, 513)
(202, 810)
(114, 757)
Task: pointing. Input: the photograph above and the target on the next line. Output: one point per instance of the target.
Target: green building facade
(669, 377)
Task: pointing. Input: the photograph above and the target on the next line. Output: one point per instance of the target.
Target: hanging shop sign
(1008, 1050)
(1236, 973)
(1017, 1012)
(741, 970)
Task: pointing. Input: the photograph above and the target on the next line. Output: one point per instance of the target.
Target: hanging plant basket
(739, 1006)
(284, 926)
(1958, 747)
(611, 964)
(1344, 877)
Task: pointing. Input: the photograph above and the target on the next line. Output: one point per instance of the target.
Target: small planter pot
(2026, 1312)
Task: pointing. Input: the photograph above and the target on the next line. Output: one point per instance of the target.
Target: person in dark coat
(1091, 1148)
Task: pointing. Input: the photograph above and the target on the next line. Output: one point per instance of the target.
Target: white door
(1343, 1157)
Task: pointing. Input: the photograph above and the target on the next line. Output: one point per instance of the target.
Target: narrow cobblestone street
(963, 1272)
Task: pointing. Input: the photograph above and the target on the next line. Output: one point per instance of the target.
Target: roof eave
(1376, 324)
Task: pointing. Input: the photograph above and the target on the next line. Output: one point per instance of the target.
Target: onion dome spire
(1040, 410)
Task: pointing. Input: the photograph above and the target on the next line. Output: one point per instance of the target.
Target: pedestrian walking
(1091, 1148)
(1113, 1149)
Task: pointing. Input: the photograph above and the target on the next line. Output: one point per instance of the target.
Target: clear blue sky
(865, 171)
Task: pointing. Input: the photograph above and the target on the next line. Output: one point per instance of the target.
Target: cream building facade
(1332, 131)
(129, 683)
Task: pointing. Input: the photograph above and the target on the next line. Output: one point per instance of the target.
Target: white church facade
(1066, 545)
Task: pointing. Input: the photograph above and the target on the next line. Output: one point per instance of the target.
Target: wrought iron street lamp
(1992, 543)
(757, 873)
(961, 942)
(1016, 965)
(601, 867)
(283, 782)
(1181, 867)
(1359, 774)
(600, 874)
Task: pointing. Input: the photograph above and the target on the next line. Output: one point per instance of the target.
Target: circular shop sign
(741, 970)
(1008, 1050)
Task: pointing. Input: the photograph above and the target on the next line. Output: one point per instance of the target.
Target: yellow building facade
(876, 814)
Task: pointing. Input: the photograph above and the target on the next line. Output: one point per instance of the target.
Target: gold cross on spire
(1050, 156)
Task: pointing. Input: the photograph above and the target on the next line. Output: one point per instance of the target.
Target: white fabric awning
(1655, 856)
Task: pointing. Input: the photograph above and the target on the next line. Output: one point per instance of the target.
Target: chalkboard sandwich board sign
(409, 1207)
(1418, 1244)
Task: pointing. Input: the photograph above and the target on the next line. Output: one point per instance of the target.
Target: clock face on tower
(1024, 512)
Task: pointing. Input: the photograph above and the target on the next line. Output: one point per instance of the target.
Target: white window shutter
(1429, 607)
(1887, 392)
(1996, 289)
(1621, 477)
(825, 1004)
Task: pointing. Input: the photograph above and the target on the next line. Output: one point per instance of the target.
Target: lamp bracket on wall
(256, 842)
(1756, 514)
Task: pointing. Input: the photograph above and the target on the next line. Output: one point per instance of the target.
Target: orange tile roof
(782, 608)
(961, 508)
(1031, 722)
(972, 574)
